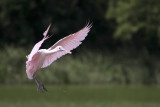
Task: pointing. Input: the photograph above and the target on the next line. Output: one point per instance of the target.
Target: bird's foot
(40, 89)
(44, 87)
(40, 85)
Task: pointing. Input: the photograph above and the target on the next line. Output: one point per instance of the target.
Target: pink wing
(35, 49)
(68, 43)
(38, 45)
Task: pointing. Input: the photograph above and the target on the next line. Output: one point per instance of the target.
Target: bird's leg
(42, 85)
(38, 84)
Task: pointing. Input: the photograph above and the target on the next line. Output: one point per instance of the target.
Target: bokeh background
(117, 65)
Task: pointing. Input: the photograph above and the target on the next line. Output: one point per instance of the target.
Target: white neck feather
(51, 51)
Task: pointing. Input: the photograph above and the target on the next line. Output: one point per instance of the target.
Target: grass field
(80, 96)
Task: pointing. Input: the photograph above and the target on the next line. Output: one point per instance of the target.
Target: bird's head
(60, 48)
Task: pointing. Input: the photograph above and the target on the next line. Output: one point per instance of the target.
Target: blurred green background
(118, 63)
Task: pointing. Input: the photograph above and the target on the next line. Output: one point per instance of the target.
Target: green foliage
(12, 65)
(86, 68)
(135, 18)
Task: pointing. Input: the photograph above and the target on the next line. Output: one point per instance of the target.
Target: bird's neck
(51, 51)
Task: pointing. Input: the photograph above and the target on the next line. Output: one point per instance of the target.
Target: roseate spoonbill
(41, 58)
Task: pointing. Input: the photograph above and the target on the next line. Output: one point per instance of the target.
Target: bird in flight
(41, 58)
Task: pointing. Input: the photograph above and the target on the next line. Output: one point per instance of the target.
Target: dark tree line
(125, 23)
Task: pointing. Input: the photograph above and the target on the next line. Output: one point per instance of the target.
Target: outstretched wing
(68, 43)
(35, 49)
(38, 45)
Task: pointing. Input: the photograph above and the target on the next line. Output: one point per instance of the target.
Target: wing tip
(89, 25)
(46, 32)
